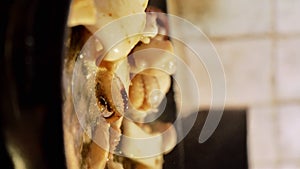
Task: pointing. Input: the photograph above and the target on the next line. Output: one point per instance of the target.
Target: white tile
(230, 17)
(262, 140)
(264, 166)
(288, 16)
(288, 69)
(289, 165)
(289, 128)
(248, 70)
(201, 73)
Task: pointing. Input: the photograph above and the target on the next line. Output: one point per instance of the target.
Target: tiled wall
(258, 42)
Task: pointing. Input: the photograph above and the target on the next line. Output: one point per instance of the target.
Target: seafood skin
(129, 30)
(100, 12)
(111, 95)
(96, 14)
(147, 91)
(158, 55)
(112, 86)
(151, 66)
(82, 12)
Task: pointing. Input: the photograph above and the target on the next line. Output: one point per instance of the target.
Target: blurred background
(257, 41)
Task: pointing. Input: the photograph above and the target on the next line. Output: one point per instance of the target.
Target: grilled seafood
(152, 66)
(107, 83)
(113, 83)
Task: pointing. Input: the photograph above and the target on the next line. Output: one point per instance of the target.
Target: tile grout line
(266, 35)
(274, 67)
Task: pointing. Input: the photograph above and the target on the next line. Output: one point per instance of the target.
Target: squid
(121, 82)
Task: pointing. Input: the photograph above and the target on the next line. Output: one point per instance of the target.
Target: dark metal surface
(31, 46)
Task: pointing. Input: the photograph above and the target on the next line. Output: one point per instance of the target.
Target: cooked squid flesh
(111, 95)
(153, 64)
(129, 30)
(160, 139)
(158, 54)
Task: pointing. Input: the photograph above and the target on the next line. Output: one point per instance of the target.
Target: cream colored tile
(192, 70)
(262, 140)
(247, 67)
(248, 71)
(288, 68)
(288, 16)
(264, 166)
(289, 128)
(289, 165)
(201, 73)
(230, 17)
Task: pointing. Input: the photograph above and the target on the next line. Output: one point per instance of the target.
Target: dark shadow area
(31, 54)
(225, 149)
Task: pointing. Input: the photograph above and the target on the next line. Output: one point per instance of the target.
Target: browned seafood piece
(111, 95)
(96, 157)
(151, 82)
(146, 91)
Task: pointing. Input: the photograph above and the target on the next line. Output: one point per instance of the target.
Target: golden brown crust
(82, 12)
(146, 89)
(108, 91)
(96, 157)
(136, 91)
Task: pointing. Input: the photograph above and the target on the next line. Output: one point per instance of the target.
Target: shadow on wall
(226, 148)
